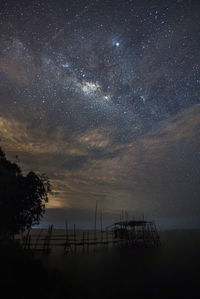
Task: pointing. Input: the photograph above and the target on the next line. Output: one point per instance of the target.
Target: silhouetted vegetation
(22, 198)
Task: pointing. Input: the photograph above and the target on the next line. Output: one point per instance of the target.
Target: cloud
(157, 173)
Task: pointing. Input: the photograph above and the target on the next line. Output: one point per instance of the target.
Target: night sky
(103, 96)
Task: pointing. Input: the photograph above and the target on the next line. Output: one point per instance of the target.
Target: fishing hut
(136, 233)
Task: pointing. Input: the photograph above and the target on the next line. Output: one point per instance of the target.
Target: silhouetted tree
(22, 198)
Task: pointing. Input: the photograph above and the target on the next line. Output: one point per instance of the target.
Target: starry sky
(103, 97)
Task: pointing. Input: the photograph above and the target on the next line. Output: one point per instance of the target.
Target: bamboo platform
(76, 242)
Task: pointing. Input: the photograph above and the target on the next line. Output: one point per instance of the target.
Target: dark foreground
(173, 271)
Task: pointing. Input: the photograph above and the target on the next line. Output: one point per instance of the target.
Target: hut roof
(132, 223)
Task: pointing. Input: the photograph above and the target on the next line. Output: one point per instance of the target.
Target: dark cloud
(103, 97)
(157, 173)
(75, 162)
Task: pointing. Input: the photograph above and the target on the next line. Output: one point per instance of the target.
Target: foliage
(22, 198)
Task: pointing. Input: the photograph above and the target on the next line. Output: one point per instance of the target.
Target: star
(65, 65)
(103, 79)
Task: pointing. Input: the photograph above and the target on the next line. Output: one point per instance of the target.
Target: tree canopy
(22, 198)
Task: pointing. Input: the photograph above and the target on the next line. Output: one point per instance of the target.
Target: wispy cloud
(157, 173)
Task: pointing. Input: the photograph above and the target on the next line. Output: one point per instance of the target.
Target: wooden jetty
(123, 234)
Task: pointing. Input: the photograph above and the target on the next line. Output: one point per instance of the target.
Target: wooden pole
(95, 220)
(27, 246)
(37, 240)
(88, 239)
(83, 241)
(29, 242)
(107, 238)
(126, 216)
(66, 241)
(95, 225)
(101, 221)
(75, 238)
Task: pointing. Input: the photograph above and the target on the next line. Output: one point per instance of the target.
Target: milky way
(98, 95)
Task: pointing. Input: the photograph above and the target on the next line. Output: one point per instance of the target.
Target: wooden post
(101, 220)
(95, 226)
(50, 235)
(46, 246)
(74, 239)
(29, 242)
(88, 240)
(126, 216)
(66, 248)
(101, 229)
(95, 220)
(83, 241)
(107, 238)
(37, 240)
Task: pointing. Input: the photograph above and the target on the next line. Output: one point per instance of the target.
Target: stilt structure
(123, 234)
(134, 233)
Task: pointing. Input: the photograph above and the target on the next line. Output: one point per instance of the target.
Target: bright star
(107, 97)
